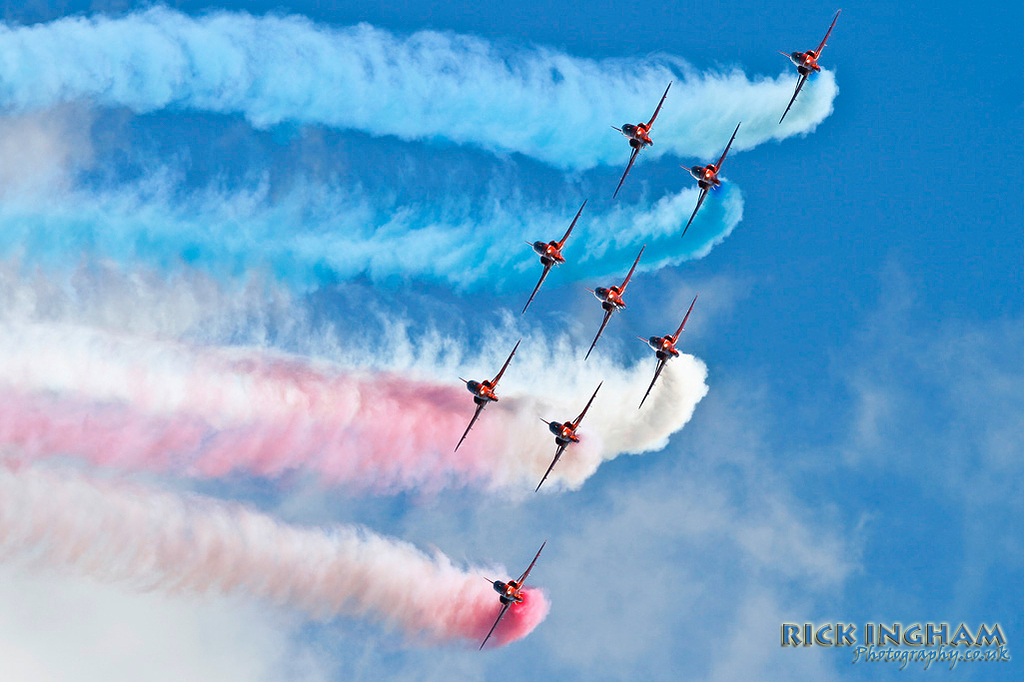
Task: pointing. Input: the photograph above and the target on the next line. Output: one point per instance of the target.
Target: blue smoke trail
(536, 101)
(316, 235)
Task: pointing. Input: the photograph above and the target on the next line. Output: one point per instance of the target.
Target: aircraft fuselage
(549, 253)
(706, 176)
(637, 134)
(805, 62)
(508, 592)
(482, 392)
(564, 433)
(611, 298)
(663, 347)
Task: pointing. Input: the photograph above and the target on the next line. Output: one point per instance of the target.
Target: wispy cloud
(157, 540)
(533, 100)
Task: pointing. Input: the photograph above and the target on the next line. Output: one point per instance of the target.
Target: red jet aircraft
(510, 593)
(565, 433)
(551, 254)
(665, 348)
(806, 64)
(483, 392)
(639, 137)
(707, 178)
(611, 299)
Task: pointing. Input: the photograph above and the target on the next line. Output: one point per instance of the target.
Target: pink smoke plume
(139, 403)
(157, 540)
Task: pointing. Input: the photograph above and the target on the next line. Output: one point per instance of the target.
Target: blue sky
(857, 457)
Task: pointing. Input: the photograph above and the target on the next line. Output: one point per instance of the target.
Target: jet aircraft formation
(565, 433)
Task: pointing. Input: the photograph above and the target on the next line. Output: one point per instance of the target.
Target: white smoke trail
(140, 403)
(140, 302)
(157, 540)
(536, 101)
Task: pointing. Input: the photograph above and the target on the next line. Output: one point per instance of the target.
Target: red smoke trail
(138, 403)
(384, 443)
(175, 543)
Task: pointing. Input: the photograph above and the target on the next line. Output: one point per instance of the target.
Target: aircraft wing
(799, 84)
(576, 422)
(622, 289)
(632, 158)
(817, 53)
(718, 166)
(494, 382)
(558, 454)
(547, 268)
(501, 615)
(573, 224)
(522, 578)
(651, 122)
(700, 200)
(657, 373)
(479, 409)
(685, 318)
(604, 323)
